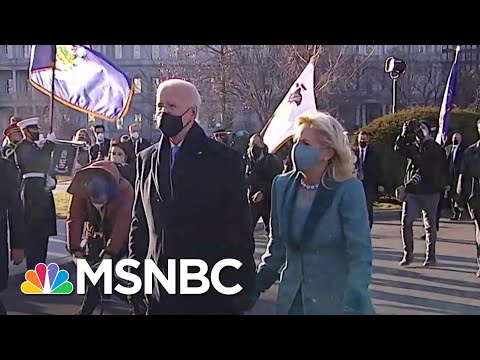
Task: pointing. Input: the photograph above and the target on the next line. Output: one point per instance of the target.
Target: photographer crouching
(102, 201)
(425, 179)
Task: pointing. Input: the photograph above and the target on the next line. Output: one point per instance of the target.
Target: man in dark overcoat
(191, 203)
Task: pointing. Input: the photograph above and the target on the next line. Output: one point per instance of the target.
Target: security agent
(221, 135)
(468, 188)
(425, 178)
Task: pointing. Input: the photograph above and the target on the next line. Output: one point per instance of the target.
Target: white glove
(51, 137)
(41, 141)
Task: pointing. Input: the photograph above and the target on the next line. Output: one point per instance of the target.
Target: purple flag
(447, 102)
(84, 80)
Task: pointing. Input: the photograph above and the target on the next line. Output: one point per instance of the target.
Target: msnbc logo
(47, 280)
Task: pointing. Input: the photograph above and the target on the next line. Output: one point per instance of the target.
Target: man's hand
(381, 189)
(257, 197)
(17, 256)
(447, 188)
(404, 129)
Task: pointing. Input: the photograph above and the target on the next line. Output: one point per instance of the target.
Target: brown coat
(118, 210)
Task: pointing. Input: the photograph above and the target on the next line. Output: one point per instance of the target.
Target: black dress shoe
(429, 261)
(455, 218)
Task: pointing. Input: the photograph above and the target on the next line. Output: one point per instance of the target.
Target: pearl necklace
(308, 187)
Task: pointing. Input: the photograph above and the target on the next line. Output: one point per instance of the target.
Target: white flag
(300, 98)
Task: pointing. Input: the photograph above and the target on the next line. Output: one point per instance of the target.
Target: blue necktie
(173, 155)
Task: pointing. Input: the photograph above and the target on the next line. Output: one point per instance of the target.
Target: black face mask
(257, 151)
(455, 142)
(363, 144)
(171, 125)
(35, 136)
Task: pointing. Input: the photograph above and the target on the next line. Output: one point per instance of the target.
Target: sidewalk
(448, 288)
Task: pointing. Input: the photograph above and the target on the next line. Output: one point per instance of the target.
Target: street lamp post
(394, 67)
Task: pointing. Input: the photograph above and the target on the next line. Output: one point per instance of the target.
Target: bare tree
(235, 78)
(422, 84)
(192, 63)
(66, 121)
(336, 70)
(468, 88)
(257, 78)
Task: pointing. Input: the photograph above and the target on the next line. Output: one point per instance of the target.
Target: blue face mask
(305, 157)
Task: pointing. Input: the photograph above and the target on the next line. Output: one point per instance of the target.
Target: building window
(10, 88)
(120, 124)
(138, 120)
(27, 51)
(155, 83)
(118, 51)
(91, 119)
(10, 52)
(137, 54)
(138, 85)
(369, 49)
(155, 52)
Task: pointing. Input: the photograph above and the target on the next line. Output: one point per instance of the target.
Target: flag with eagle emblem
(300, 98)
(84, 80)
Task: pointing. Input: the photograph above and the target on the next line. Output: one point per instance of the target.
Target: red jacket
(118, 211)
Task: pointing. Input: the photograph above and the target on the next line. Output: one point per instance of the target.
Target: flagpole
(313, 60)
(52, 100)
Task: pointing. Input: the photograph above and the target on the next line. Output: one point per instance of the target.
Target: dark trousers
(261, 210)
(412, 206)
(370, 195)
(94, 293)
(456, 211)
(36, 251)
(440, 206)
(3, 310)
(476, 220)
(172, 308)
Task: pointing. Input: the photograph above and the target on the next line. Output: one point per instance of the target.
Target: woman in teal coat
(320, 235)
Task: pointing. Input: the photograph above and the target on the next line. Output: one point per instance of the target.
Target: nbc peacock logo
(47, 280)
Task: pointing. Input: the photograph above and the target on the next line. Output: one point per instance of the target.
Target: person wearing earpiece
(135, 143)
(99, 150)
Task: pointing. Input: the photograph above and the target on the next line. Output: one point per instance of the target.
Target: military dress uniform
(8, 149)
(34, 162)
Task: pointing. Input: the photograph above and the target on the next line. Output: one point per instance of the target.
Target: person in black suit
(369, 171)
(135, 143)
(11, 218)
(99, 150)
(190, 203)
(455, 156)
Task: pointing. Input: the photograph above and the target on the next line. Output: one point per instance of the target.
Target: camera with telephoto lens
(412, 126)
(94, 248)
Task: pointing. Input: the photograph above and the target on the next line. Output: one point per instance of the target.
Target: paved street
(448, 288)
